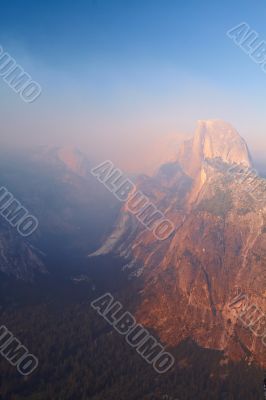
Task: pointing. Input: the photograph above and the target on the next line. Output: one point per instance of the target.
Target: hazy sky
(121, 78)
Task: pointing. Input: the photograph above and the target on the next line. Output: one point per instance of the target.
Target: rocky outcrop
(218, 247)
(213, 139)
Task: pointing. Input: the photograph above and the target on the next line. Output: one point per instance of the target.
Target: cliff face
(218, 247)
(213, 139)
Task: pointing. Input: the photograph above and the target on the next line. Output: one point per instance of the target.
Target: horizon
(163, 152)
(116, 81)
(132, 200)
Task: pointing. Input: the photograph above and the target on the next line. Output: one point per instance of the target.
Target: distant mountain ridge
(72, 208)
(189, 279)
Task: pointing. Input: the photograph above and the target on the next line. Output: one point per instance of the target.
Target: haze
(127, 81)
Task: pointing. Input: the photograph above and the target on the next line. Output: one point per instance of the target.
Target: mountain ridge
(219, 244)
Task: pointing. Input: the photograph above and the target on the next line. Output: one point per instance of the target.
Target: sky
(127, 80)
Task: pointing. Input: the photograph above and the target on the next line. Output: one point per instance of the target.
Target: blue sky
(120, 74)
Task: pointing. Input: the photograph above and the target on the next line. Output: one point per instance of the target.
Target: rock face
(18, 257)
(217, 250)
(213, 139)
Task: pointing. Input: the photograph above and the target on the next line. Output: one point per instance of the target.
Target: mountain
(69, 158)
(18, 257)
(73, 209)
(213, 139)
(181, 289)
(217, 249)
